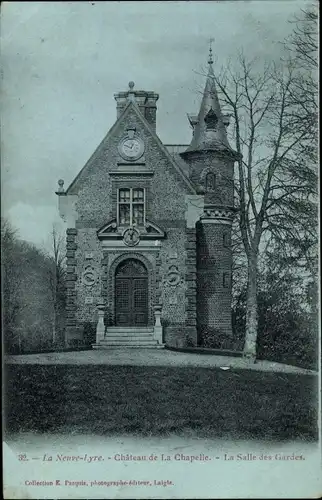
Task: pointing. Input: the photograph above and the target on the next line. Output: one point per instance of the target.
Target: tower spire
(209, 126)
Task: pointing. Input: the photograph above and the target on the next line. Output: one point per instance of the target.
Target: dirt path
(150, 357)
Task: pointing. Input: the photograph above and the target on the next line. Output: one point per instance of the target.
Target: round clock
(131, 148)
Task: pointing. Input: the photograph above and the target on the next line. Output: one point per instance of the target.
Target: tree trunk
(251, 313)
(19, 341)
(53, 340)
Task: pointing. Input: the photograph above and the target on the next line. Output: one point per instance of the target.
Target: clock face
(131, 148)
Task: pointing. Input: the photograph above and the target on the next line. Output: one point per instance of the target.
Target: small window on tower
(226, 240)
(226, 280)
(210, 181)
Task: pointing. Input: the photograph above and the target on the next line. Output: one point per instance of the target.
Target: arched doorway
(131, 293)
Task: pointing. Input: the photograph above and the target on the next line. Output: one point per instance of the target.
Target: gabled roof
(131, 106)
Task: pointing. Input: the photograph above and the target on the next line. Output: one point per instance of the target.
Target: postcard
(160, 250)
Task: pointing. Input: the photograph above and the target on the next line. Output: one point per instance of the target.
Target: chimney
(145, 100)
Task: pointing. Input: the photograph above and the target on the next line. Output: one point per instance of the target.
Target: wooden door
(131, 294)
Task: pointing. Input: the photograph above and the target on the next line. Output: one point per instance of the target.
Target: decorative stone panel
(89, 269)
(172, 282)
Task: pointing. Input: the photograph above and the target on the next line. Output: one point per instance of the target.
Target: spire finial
(210, 59)
(130, 95)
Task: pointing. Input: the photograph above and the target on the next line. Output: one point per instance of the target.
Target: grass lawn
(107, 400)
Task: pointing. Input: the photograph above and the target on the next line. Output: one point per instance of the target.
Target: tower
(211, 170)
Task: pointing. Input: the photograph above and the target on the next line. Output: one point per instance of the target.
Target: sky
(62, 63)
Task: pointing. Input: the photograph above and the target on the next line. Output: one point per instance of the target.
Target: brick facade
(214, 262)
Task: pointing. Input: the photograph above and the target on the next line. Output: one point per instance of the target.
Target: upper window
(131, 207)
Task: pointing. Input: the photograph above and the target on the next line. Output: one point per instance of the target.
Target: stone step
(129, 335)
(130, 329)
(127, 346)
(123, 340)
(128, 341)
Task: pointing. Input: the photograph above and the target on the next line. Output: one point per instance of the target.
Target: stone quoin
(149, 256)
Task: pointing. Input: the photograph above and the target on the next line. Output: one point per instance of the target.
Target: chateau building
(149, 254)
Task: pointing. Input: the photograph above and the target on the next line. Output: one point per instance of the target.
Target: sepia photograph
(160, 249)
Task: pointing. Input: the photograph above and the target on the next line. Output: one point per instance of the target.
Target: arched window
(210, 181)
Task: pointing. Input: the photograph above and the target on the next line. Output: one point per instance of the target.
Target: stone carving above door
(131, 237)
(111, 230)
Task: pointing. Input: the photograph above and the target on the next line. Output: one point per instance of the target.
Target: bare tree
(303, 41)
(271, 146)
(56, 276)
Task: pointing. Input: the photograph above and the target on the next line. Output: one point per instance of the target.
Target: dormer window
(211, 120)
(131, 207)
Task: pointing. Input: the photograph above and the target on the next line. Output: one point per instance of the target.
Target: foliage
(11, 279)
(288, 331)
(27, 299)
(89, 332)
(216, 339)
